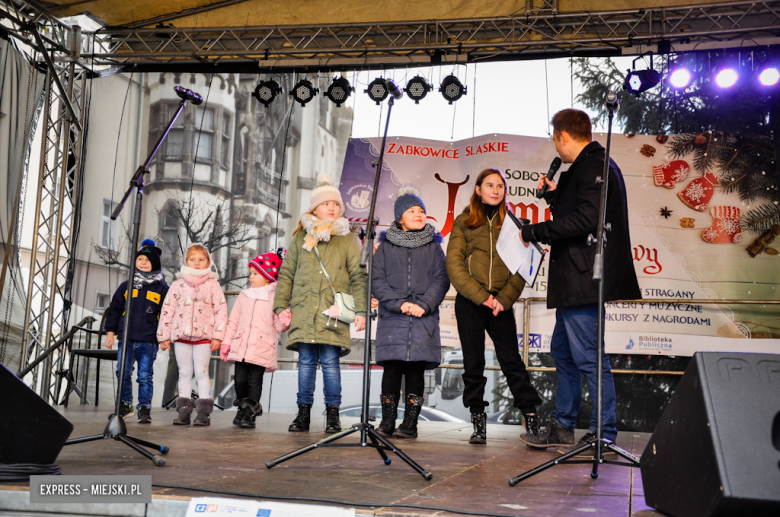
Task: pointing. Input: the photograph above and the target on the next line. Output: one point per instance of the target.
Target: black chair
(93, 353)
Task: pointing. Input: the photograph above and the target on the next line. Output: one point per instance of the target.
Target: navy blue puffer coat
(415, 275)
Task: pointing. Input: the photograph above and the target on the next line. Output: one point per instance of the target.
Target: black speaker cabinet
(31, 431)
(716, 450)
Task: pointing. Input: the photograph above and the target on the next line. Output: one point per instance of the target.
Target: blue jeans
(309, 354)
(573, 348)
(145, 354)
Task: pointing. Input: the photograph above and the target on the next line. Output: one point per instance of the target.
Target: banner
(686, 232)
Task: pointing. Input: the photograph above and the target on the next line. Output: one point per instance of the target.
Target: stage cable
(197, 145)
(547, 92)
(474, 103)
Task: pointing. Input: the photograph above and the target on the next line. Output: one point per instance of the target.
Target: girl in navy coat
(409, 280)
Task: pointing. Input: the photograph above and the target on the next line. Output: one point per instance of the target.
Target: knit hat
(408, 197)
(152, 252)
(325, 191)
(269, 264)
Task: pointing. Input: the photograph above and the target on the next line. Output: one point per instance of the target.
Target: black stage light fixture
(338, 91)
(417, 89)
(267, 91)
(452, 89)
(638, 81)
(377, 90)
(304, 92)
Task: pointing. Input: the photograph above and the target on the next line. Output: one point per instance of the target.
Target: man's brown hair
(575, 122)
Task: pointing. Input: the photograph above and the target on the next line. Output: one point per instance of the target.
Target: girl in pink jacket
(251, 338)
(194, 317)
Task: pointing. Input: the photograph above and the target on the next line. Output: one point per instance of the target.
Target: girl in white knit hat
(323, 259)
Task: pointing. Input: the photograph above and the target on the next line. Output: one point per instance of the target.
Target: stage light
(726, 78)
(339, 91)
(266, 92)
(769, 77)
(377, 90)
(304, 92)
(680, 78)
(638, 81)
(417, 89)
(452, 89)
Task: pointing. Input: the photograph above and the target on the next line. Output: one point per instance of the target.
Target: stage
(465, 477)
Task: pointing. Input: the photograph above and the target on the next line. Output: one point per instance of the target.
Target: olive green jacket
(304, 289)
(474, 267)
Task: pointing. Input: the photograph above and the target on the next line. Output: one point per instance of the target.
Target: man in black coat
(574, 203)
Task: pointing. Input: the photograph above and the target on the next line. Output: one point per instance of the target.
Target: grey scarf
(143, 278)
(404, 239)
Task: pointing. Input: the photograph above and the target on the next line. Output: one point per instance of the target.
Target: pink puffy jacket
(194, 307)
(253, 329)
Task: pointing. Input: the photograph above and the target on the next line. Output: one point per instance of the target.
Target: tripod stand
(600, 443)
(116, 427)
(366, 430)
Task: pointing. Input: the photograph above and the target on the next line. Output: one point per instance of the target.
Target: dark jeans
(473, 321)
(249, 381)
(144, 354)
(414, 371)
(573, 348)
(309, 354)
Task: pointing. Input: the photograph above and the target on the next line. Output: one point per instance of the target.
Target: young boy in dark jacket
(409, 280)
(149, 290)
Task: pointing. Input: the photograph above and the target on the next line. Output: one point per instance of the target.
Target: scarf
(321, 230)
(260, 293)
(196, 277)
(143, 278)
(411, 239)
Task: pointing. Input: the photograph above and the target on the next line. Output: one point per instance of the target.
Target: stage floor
(465, 477)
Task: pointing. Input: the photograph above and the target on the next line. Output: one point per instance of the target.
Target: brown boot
(184, 408)
(204, 407)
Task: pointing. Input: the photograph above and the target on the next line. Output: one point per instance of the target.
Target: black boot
(239, 412)
(332, 421)
(389, 415)
(252, 409)
(480, 429)
(302, 421)
(408, 428)
(531, 424)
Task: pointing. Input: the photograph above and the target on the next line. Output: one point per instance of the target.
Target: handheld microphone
(612, 101)
(394, 90)
(188, 95)
(554, 166)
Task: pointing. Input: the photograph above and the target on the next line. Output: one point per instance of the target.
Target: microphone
(612, 101)
(554, 166)
(394, 90)
(188, 95)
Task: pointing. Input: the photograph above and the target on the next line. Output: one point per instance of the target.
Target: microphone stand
(116, 427)
(367, 431)
(600, 444)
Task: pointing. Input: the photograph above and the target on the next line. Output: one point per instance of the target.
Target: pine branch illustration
(761, 219)
(680, 145)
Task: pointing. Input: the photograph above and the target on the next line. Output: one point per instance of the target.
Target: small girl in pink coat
(194, 317)
(251, 338)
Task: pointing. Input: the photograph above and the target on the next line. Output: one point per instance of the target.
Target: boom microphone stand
(367, 431)
(116, 427)
(600, 443)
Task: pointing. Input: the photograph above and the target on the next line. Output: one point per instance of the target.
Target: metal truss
(537, 32)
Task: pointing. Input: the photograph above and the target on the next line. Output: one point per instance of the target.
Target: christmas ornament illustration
(725, 227)
(699, 191)
(669, 173)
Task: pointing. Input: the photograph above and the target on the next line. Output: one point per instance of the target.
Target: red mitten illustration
(698, 193)
(668, 174)
(725, 227)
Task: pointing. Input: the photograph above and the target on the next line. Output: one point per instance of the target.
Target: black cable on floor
(23, 471)
(334, 501)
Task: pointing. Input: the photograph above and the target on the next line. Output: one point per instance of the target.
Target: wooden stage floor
(465, 477)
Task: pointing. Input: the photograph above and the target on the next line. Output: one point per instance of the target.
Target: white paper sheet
(516, 256)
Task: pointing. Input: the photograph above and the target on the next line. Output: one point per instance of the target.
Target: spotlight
(769, 77)
(638, 81)
(266, 92)
(417, 89)
(726, 78)
(338, 91)
(377, 90)
(303, 92)
(680, 78)
(452, 89)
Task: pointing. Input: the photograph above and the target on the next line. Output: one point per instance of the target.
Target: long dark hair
(477, 215)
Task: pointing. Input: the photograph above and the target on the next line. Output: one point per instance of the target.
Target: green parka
(304, 289)
(474, 266)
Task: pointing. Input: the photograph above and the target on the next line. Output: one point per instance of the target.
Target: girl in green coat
(304, 299)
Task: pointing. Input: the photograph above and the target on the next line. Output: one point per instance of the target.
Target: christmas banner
(703, 211)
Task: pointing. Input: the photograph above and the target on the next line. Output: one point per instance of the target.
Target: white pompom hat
(325, 191)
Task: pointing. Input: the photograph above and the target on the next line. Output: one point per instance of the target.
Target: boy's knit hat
(152, 252)
(408, 197)
(325, 191)
(269, 264)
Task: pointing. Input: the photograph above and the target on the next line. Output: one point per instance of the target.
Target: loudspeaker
(31, 431)
(716, 450)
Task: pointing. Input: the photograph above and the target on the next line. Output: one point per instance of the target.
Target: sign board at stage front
(223, 507)
(687, 240)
